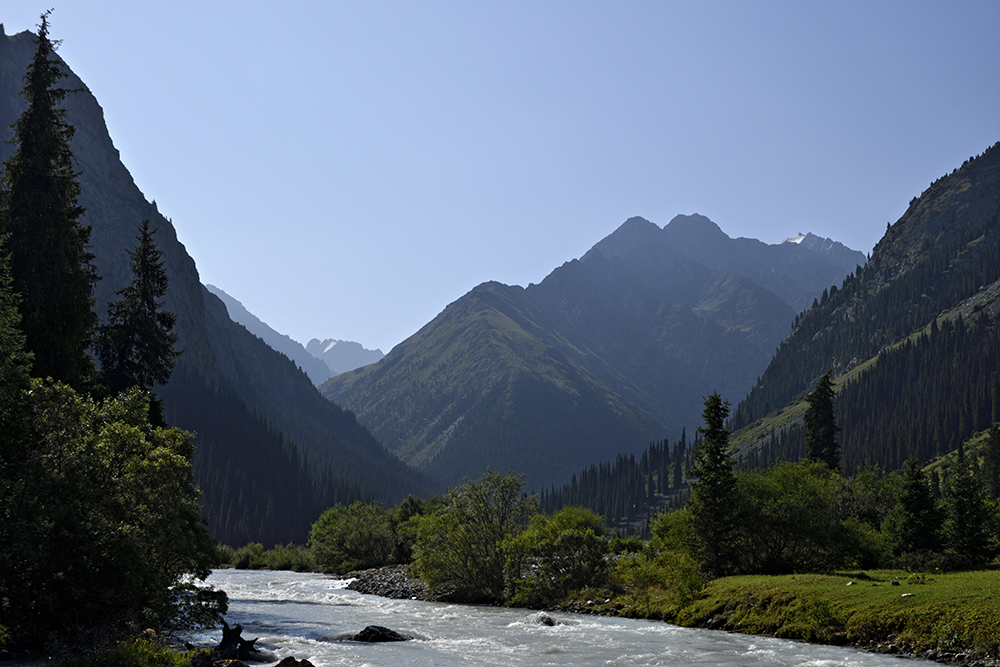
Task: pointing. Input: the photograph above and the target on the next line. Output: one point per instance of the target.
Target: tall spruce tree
(51, 264)
(913, 526)
(713, 490)
(14, 364)
(136, 344)
(821, 426)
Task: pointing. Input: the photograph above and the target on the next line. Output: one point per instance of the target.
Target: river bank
(951, 618)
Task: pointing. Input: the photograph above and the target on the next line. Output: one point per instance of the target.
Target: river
(302, 615)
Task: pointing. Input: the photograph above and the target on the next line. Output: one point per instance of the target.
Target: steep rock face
(244, 389)
(607, 353)
(317, 371)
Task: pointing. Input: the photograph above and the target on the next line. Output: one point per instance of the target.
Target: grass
(955, 612)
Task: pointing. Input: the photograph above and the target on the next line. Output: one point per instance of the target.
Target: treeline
(627, 492)
(881, 303)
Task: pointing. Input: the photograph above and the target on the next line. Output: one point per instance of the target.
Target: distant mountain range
(319, 360)
(271, 452)
(607, 353)
(342, 355)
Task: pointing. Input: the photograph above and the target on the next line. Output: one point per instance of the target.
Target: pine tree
(14, 361)
(821, 427)
(713, 489)
(914, 524)
(51, 264)
(136, 345)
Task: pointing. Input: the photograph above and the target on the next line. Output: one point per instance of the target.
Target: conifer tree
(713, 489)
(821, 426)
(14, 361)
(136, 345)
(914, 524)
(51, 264)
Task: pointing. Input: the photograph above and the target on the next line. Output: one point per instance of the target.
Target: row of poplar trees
(99, 520)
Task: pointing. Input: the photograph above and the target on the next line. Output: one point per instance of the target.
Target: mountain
(271, 452)
(797, 270)
(913, 336)
(342, 355)
(317, 371)
(609, 352)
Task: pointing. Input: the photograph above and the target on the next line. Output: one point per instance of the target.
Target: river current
(303, 615)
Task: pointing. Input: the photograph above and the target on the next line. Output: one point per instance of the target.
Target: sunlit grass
(956, 611)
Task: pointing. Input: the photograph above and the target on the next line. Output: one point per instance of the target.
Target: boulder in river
(374, 634)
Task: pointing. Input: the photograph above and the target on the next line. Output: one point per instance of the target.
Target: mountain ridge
(627, 339)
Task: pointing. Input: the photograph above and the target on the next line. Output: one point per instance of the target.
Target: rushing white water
(302, 615)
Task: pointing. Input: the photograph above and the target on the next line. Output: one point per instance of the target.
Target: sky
(347, 169)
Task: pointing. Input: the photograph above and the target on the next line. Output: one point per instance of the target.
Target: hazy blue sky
(347, 169)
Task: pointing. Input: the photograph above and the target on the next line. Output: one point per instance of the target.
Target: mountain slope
(241, 385)
(607, 353)
(915, 334)
(317, 371)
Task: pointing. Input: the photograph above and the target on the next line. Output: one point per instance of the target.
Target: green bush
(462, 549)
(665, 581)
(357, 537)
(138, 653)
(106, 523)
(563, 553)
(250, 557)
(289, 557)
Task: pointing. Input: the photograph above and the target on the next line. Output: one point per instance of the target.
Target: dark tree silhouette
(821, 426)
(713, 489)
(51, 263)
(136, 345)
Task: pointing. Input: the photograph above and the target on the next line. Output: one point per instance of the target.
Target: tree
(356, 537)
(990, 470)
(913, 526)
(51, 263)
(14, 360)
(821, 426)
(136, 345)
(713, 490)
(99, 520)
(968, 519)
(461, 550)
(569, 549)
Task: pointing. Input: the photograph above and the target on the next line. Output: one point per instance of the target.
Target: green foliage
(462, 549)
(787, 520)
(100, 517)
(138, 653)
(136, 345)
(969, 517)
(356, 537)
(713, 490)
(563, 553)
(913, 526)
(664, 582)
(249, 557)
(51, 264)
